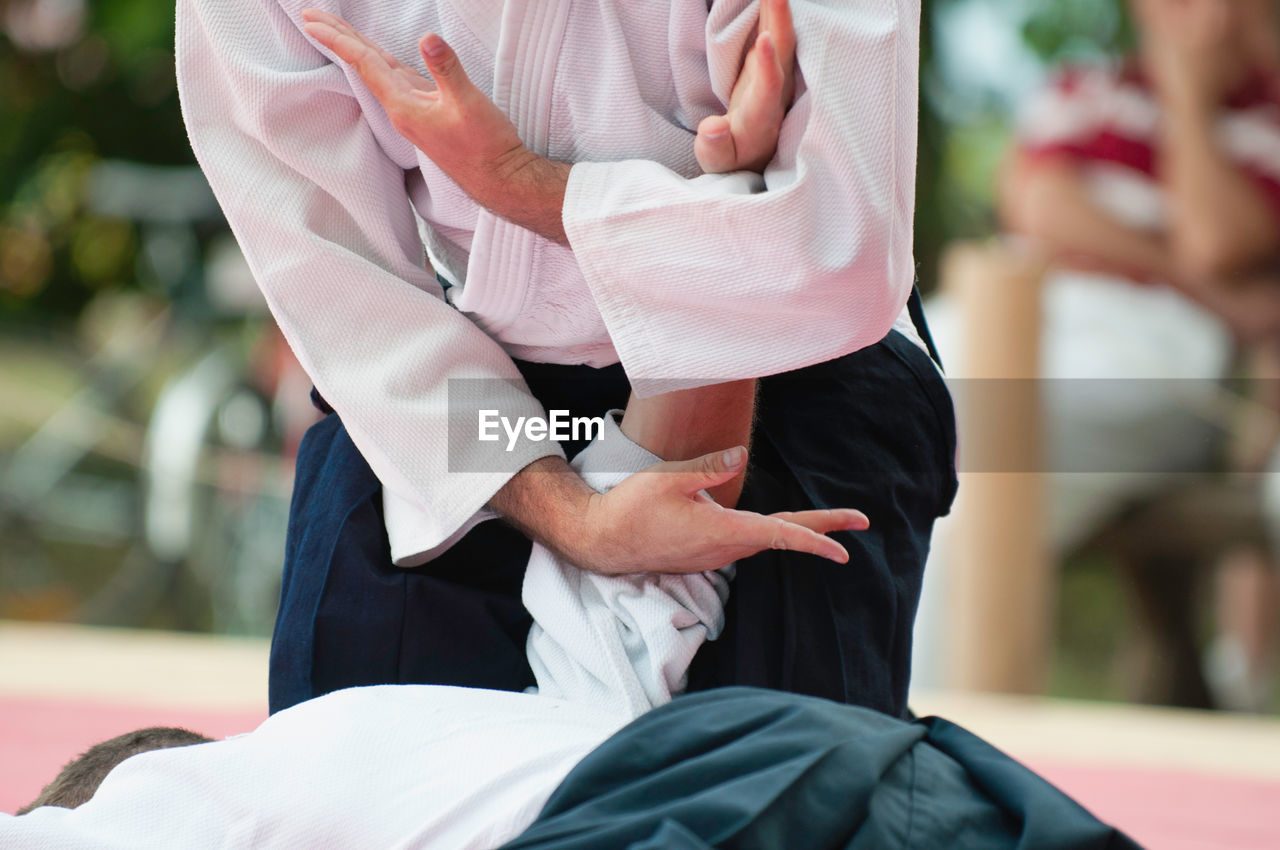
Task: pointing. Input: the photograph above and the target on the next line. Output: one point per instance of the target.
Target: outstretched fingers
(797, 538)
(802, 531)
(384, 74)
(828, 520)
(775, 19)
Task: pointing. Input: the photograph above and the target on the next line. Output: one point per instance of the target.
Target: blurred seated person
(1153, 183)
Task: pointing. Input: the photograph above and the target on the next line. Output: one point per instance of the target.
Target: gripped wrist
(549, 503)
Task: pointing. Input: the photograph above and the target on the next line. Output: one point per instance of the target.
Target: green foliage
(960, 155)
(1057, 30)
(109, 92)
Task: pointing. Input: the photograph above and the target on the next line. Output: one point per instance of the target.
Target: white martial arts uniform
(687, 279)
(418, 765)
(421, 766)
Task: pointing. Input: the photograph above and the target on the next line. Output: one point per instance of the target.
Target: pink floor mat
(1175, 810)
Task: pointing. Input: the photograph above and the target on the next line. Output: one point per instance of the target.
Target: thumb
(714, 147)
(708, 470)
(444, 66)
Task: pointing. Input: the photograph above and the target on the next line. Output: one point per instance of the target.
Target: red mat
(1160, 809)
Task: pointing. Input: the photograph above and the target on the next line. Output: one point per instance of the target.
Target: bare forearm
(690, 423)
(1050, 203)
(548, 502)
(1249, 306)
(1221, 224)
(529, 191)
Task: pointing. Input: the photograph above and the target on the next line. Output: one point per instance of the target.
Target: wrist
(549, 503)
(526, 189)
(495, 180)
(1187, 94)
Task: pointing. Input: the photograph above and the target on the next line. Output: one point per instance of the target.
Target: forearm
(319, 205)
(548, 502)
(1249, 306)
(759, 274)
(1050, 203)
(1221, 224)
(527, 190)
(691, 423)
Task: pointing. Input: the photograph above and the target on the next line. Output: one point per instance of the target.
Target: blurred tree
(977, 58)
(83, 82)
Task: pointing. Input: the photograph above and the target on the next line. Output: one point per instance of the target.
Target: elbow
(882, 283)
(870, 306)
(1047, 202)
(871, 288)
(1029, 194)
(1038, 214)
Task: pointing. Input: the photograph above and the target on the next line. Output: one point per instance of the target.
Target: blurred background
(149, 410)
(149, 407)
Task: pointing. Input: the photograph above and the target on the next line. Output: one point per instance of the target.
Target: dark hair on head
(81, 777)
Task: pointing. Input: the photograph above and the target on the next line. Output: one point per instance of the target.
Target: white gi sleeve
(725, 277)
(622, 644)
(320, 206)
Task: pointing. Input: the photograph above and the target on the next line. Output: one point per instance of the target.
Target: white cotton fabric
(387, 766)
(687, 279)
(620, 643)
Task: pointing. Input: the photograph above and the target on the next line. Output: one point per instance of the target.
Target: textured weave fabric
(450, 768)
(379, 767)
(689, 279)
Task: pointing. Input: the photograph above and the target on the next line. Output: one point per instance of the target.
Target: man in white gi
(631, 254)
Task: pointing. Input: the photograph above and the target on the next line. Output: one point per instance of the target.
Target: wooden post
(1001, 584)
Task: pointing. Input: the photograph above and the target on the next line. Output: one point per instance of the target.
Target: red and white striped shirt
(1108, 119)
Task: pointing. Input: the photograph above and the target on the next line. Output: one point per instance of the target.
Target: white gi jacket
(687, 279)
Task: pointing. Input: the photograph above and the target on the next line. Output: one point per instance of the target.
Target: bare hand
(450, 120)
(659, 521)
(745, 138)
